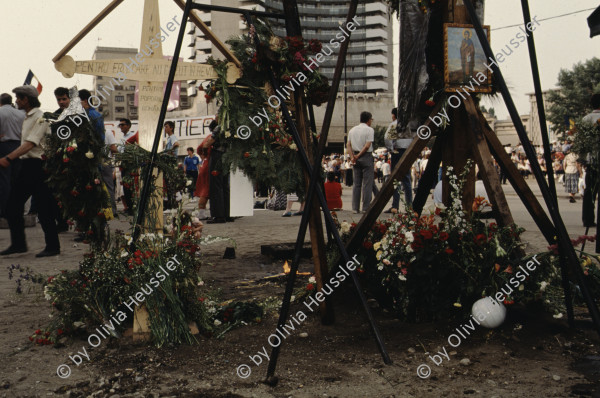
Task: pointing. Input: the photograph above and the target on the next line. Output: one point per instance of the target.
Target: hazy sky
(561, 42)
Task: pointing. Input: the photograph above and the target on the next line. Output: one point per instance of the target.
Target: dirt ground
(530, 355)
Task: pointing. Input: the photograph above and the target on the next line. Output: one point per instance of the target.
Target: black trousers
(219, 187)
(589, 197)
(7, 174)
(30, 182)
(192, 175)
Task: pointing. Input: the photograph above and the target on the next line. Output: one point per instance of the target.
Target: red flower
(214, 173)
(509, 269)
(449, 251)
(138, 261)
(426, 234)
(497, 267)
(38, 331)
(50, 279)
(438, 211)
(137, 253)
(247, 154)
(479, 239)
(66, 160)
(310, 286)
(429, 103)
(315, 45)
(88, 187)
(367, 245)
(444, 236)
(59, 332)
(126, 280)
(74, 193)
(90, 232)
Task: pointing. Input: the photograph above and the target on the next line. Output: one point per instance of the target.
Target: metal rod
(206, 7)
(539, 99)
(564, 242)
(313, 187)
(147, 175)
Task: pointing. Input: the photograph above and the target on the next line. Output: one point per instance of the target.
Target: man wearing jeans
(360, 148)
(397, 145)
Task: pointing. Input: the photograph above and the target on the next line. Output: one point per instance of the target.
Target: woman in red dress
(333, 192)
(202, 183)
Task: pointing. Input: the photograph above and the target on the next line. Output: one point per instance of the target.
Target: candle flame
(286, 268)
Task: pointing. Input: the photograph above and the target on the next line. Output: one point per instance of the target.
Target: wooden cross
(151, 71)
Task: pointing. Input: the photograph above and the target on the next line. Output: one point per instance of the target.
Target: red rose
(310, 286)
(426, 234)
(449, 251)
(246, 154)
(214, 173)
(479, 239)
(444, 236)
(429, 103)
(66, 160)
(38, 331)
(367, 245)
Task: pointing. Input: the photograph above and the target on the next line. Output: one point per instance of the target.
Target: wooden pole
(195, 18)
(317, 238)
(107, 10)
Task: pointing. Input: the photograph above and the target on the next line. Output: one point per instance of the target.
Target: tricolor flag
(29, 79)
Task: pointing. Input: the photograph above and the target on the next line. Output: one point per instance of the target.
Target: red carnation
(310, 286)
(444, 236)
(429, 103)
(449, 251)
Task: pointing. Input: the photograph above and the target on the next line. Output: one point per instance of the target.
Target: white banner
(186, 128)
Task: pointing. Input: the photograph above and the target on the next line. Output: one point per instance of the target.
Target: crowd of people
(21, 175)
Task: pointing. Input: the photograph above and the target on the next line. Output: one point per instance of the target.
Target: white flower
(89, 155)
(543, 286)
(521, 288)
(409, 237)
(74, 145)
(46, 294)
(401, 277)
(227, 134)
(557, 316)
(386, 261)
(124, 253)
(380, 267)
(293, 146)
(217, 322)
(312, 279)
(293, 298)
(345, 227)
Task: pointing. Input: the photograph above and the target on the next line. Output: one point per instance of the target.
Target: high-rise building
(118, 101)
(369, 62)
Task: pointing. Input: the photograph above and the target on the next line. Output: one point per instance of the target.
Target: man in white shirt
(30, 179)
(11, 122)
(172, 143)
(360, 148)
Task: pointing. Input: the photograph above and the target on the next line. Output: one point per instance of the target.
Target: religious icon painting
(464, 59)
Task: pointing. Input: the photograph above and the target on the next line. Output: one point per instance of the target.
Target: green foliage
(572, 99)
(586, 143)
(268, 156)
(74, 177)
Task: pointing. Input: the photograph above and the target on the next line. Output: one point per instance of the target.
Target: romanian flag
(29, 80)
